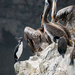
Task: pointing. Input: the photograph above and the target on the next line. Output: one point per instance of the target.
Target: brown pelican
(52, 29)
(35, 39)
(18, 50)
(64, 14)
(72, 55)
(62, 46)
(53, 16)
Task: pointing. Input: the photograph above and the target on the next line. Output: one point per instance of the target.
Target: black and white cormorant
(18, 50)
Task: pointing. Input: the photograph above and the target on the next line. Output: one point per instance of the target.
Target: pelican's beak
(53, 9)
(41, 22)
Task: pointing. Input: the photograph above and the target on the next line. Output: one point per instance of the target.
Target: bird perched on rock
(52, 29)
(53, 21)
(18, 50)
(62, 46)
(63, 14)
(66, 15)
(62, 43)
(35, 39)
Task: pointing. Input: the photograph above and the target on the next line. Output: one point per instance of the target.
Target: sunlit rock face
(50, 62)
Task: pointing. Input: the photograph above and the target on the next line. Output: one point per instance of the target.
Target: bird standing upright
(18, 50)
(52, 29)
(35, 39)
(66, 15)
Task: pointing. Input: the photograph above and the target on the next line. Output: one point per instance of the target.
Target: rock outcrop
(50, 62)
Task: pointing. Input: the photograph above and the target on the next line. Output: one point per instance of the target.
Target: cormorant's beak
(53, 9)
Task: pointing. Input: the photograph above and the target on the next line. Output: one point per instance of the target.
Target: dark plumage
(53, 29)
(62, 26)
(72, 55)
(64, 13)
(62, 46)
(66, 31)
(18, 50)
(15, 51)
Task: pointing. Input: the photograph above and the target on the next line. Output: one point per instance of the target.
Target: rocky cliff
(48, 63)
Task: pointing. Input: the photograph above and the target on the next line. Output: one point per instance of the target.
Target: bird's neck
(47, 12)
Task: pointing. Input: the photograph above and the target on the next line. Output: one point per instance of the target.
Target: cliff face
(48, 63)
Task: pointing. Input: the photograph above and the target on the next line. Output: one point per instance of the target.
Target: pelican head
(53, 8)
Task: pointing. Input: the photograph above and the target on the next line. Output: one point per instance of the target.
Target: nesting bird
(62, 46)
(18, 50)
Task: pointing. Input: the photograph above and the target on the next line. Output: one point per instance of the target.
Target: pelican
(35, 39)
(53, 20)
(18, 50)
(52, 29)
(64, 14)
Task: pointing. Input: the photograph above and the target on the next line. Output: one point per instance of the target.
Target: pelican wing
(65, 29)
(33, 34)
(62, 14)
(55, 30)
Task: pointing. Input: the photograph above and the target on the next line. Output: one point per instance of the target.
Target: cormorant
(18, 50)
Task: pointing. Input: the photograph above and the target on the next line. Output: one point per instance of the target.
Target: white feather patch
(20, 50)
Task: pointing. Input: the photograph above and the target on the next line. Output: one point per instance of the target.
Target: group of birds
(50, 32)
